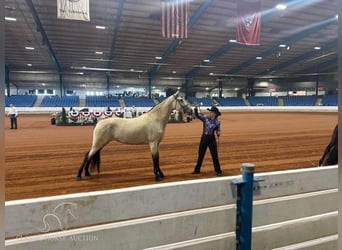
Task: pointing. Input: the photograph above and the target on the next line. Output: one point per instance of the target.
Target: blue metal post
(244, 205)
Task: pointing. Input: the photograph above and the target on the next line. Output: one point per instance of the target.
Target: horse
(148, 128)
(330, 154)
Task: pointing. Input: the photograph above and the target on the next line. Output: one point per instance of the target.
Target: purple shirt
(209, 126)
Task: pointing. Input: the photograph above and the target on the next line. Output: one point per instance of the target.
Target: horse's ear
(176, 94)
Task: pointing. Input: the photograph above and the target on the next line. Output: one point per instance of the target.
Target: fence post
(244, 205)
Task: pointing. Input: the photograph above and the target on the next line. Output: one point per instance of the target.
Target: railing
(295, 208)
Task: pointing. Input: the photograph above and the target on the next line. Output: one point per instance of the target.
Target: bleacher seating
(20, 100)
(102, 101)
(330, 100)
(161, 99)
(263, 100)
(300, 100)
(204, 101)
(64, 101)
(138, 101)
(231, 101)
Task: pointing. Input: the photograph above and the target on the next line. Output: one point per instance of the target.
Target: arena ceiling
(125, 51)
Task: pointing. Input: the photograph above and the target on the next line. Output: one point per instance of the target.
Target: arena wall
(296, 209)
(51, 110)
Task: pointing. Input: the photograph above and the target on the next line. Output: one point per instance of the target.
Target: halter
(184, 107)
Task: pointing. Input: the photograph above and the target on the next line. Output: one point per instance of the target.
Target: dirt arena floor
(43, 159)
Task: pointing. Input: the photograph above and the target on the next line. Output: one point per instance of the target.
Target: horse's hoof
(79, 178)
(87, 174)
(158, 178)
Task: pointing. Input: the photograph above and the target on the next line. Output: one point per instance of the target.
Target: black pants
(208, 141)
(13, 119)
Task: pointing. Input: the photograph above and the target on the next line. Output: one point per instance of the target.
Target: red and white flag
(174, 18)
(248, 22)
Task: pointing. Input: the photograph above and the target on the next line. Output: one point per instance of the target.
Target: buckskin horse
(148, 128)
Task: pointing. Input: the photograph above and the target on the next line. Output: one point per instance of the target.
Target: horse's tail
(95, 161)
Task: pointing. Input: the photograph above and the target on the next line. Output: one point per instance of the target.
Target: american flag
(174, 18)
(248, 22)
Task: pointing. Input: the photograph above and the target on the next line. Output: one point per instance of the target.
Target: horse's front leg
(155, 157)
(156, 169)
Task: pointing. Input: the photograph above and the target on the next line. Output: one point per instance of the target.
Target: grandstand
(231, 101)
(204, 101)
(330, 100)
(138, 101)
(64, 101)
(102, 101)
(300, 100)
(20, 100)
(128, 101)
(263, 100)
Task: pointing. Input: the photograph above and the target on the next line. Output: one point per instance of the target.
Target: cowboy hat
(215, 110)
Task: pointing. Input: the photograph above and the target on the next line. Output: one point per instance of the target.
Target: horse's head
(181, 104)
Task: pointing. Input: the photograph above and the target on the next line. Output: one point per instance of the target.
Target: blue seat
(263, 100)
(21, 100)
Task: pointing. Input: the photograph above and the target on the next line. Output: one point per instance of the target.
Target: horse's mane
(157, 106)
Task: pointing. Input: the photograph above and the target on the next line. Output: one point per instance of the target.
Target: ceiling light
(288, 47)
(106, 69)
(203, 66)
(281, 6)
(317, 48)
(100, 27)
(159, 57)
(29, 64)
(29, 48)
(10, 18)
(282, 45)
(211, 74)
(206, 60)
(98, 52)
(258, 57)
(174, 72)
(232, 41)
(156, 63)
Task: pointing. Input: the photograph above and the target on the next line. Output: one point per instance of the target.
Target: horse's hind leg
(85, 165)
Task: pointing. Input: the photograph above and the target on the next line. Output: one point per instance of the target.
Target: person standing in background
(13, 113)
(211, 126)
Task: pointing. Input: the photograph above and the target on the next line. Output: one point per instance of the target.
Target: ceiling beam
(305, 56)
(45, 38)
(324, 65)
(115, 34)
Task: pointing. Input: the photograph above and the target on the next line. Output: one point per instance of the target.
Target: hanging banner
(73, 9)
(248, 22)
(174, 18)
